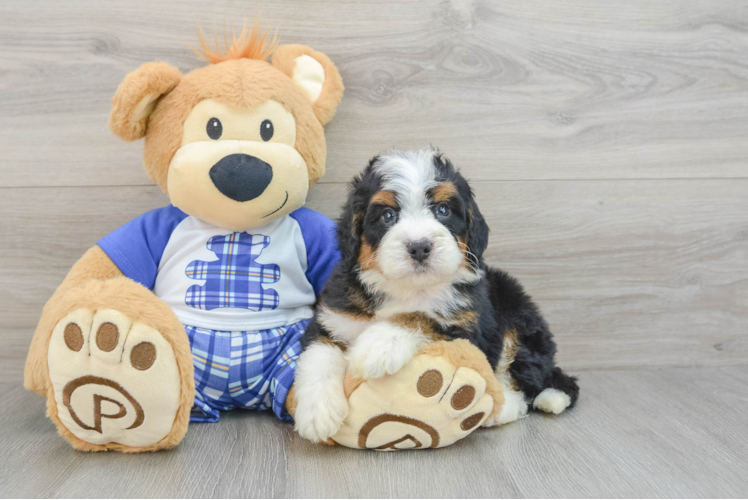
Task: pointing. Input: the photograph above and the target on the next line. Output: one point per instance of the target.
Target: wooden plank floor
(606, 142)
(677, 432)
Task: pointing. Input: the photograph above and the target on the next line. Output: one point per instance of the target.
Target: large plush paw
(441, 395)
(114, 381)
(382, 349)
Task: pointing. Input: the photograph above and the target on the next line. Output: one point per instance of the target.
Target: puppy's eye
(442, 210)
(389, 217)
(214, 128)
(266, 130)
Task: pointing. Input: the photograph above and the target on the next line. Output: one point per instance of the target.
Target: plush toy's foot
(115, 383)
(440, 396)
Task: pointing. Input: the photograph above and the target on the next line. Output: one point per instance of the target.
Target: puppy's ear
(350, 226)
(136, 98)
(477, 230)
(315, 74)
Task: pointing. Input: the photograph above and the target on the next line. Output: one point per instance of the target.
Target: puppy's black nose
(241, 177)
(419, 250)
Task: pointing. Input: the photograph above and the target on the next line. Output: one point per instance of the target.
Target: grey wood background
(607, 142)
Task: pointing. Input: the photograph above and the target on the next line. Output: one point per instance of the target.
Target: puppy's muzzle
(241, 177)
(419, 250)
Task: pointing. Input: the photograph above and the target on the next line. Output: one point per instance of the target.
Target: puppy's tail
(564, 383)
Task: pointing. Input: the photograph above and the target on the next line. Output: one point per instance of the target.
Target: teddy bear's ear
(136, 98)
(315, 74)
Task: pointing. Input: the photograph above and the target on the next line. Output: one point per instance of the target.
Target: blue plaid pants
(253, 370)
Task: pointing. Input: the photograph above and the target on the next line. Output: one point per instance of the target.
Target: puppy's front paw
(321, 405)
(381, 350)
(317, 419)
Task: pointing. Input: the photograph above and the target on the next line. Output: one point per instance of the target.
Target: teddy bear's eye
(214, 128)
(266, 130)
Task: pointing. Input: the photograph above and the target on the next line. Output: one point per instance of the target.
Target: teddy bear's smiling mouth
(283, 205)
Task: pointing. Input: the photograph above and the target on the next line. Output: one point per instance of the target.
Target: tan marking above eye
(444, 192)
(240, 124)
(384, 198)
(107, 337)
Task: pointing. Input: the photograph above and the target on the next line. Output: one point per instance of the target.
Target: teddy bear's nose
(241, 177)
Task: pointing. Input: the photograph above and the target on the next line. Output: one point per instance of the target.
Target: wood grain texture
(513, 90)
(628, 273)
(645, 433)
(606, 142)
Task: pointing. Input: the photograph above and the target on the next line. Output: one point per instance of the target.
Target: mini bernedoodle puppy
(411, 239)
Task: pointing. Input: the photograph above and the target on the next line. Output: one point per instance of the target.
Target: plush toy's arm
(96, 265)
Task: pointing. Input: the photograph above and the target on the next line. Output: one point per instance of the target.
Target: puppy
(411, 239)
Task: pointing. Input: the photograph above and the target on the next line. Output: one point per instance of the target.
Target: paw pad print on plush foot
(430, 403)
(114, 381)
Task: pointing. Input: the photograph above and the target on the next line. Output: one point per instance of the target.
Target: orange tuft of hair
(252, 44)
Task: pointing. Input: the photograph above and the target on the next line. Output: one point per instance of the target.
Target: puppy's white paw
(320, 418)
(515, 407)
(382, 349)
(321, 405)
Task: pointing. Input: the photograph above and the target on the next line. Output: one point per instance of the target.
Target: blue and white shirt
(216, 279)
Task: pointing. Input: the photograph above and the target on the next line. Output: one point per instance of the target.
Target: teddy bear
(198, 307)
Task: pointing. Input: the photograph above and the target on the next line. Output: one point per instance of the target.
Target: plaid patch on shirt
(253, 370)
(235, 279)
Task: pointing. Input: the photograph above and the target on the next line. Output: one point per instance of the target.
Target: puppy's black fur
(498, 306)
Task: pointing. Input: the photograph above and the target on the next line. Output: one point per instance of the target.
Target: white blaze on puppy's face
(410, 175)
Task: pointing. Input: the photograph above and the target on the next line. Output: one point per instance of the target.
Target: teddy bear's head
(237, 143)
